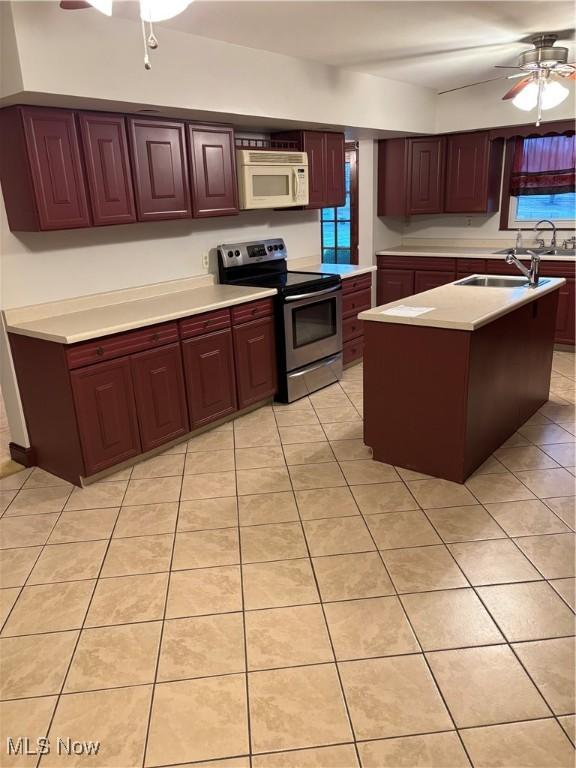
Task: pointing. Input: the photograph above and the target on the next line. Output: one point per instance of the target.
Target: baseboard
(24, 456)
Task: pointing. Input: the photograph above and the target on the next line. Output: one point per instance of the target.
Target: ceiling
(437, 44)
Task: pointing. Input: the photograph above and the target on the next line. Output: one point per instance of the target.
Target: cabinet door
(213, 170)
(565, 318)
(160, 395)
(107, 168)
(467, 173)
(394, 284)
(335, 194)
(314, 145)
(210, 380)
(160, 169)
(424, 281)
(426, 175)
(255, 357)
(56, 169)
(106, 414)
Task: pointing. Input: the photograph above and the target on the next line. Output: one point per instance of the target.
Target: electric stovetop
(292, 282)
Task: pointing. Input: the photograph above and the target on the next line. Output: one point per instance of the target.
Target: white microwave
(271, 178)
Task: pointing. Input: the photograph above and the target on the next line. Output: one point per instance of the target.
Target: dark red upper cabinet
(426, 175)
(313, 144)
(326, 186)
(213, 170)
(107, 168)
(474, 165)
(392, 181)
(41, 170)
(335, 194)
(160, 169)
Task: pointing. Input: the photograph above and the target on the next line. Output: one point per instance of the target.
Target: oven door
(273, 186)
(312, 326)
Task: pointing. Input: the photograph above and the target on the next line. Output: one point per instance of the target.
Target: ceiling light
(104, 6)
(553, 93)
(160, 10)
(527, 98)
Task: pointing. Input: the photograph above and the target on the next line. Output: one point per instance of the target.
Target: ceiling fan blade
(516, 88)
(505, 66)
(471, 85)
(74, 5)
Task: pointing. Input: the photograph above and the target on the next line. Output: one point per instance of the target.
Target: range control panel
(241, 254)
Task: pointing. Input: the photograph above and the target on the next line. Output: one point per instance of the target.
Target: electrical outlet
(205, 261)
(468, 222)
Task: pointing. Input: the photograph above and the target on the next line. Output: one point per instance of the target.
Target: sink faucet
(553, 238)
(531, 274)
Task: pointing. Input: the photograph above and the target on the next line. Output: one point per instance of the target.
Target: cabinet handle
(254, 311)
(99, 351)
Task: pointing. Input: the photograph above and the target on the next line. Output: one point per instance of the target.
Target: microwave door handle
(312, 294)
(296, 193)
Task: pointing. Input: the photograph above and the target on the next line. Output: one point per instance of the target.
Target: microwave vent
(277, 158)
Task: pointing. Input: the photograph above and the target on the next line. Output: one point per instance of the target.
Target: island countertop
(462, 307)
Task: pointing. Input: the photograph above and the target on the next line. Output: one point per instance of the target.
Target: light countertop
(344, 270)
(462, 307)
(459, 252)
(90, 322)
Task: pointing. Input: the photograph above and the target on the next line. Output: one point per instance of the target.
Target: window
(539, 181)
(339, 225)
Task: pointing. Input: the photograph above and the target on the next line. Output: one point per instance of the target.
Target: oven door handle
(313, 294)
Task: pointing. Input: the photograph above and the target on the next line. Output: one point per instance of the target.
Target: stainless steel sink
(542, 252)
(487, 281)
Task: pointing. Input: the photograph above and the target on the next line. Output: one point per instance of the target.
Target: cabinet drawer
(353, 350)
(205, 323)
(352, 284)
(254, 310)
(352, 303)
(352, 328)
(110, 347)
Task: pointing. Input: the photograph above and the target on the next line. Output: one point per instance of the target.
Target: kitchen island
(444, 387)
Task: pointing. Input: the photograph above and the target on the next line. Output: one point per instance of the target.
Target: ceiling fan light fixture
(160, 10)
(104, 6)
(527, 98)
(553, 94)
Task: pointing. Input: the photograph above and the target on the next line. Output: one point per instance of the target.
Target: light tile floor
(267, 595)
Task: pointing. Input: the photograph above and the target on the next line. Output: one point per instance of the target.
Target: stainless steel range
(308, 311)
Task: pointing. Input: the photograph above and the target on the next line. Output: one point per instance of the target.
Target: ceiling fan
(543, 67)
(150, 12)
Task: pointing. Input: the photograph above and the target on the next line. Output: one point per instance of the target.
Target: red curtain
(544, 165)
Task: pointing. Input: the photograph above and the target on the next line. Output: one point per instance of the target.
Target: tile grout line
(161, 638)
(79, 630)
(326, 625)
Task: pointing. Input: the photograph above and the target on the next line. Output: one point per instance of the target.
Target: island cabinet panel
(160, 395)
(426, 175)
(210, 379)
(105, 145)
(213, 170)
(106, 414)
(255, 358)
(160, 169)
(41, 170)
(425, 280)
(473, 173)
(462, 392)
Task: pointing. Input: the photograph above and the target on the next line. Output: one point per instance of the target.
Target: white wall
(482, 107)
(87, 55)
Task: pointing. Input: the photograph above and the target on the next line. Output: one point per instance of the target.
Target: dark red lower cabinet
(565, 318)
(210, 380)
(160, 395)
(255, 356)
(106, 414)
